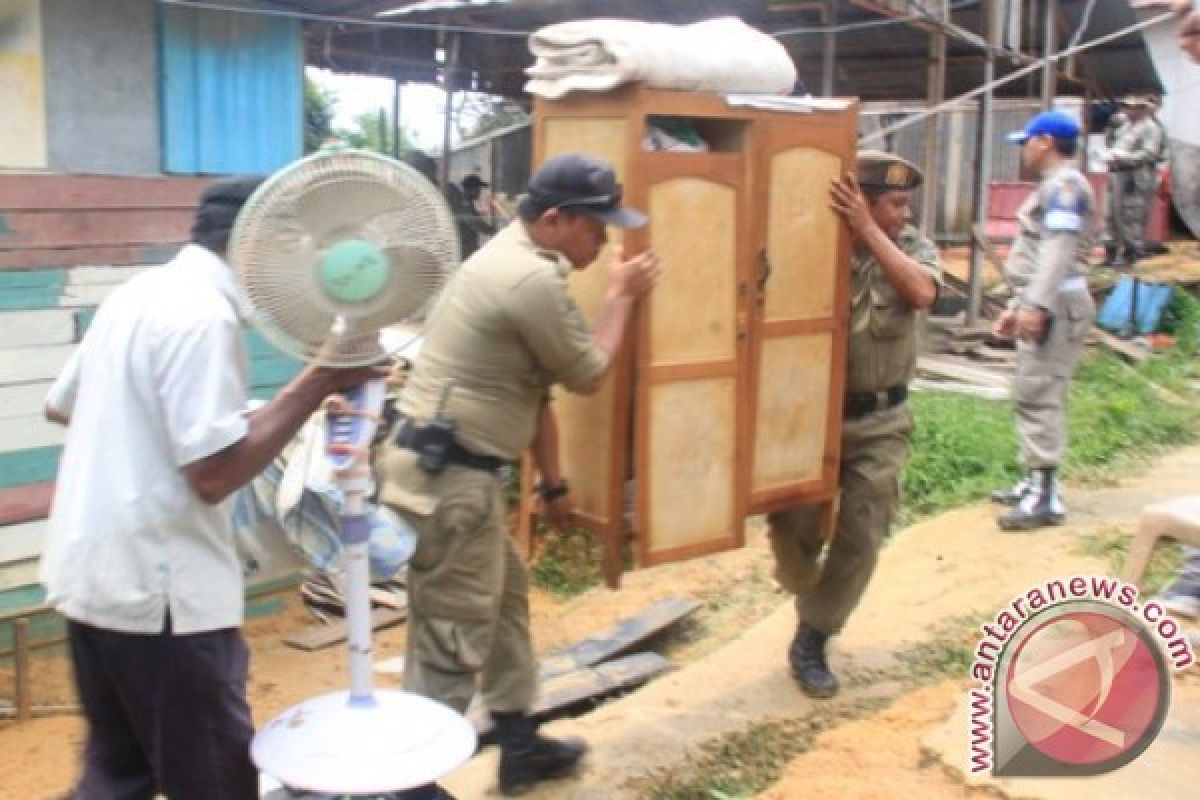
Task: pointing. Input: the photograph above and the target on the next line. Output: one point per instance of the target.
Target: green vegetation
(1112, 545)
(569, 563)
(742, 764)
(1117, 416)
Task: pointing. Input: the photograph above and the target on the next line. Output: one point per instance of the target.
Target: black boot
(430, 791)
(527, 757)
(809, 667)
(1011, 495)
(1041, 506)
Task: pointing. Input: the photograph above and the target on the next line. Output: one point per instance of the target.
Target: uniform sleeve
(201, 381)
(1066, 212)
(555, 331)
(65, 389)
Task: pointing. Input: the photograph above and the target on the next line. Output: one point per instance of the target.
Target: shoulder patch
(1065, 208)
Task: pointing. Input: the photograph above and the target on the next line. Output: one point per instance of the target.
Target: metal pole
(983, 175)
(883, 133)
(933, 157)
(1049, 43)
(396, 128)
(828, 54)
(451, 67)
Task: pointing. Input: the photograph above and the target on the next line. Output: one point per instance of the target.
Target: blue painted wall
(232, 91)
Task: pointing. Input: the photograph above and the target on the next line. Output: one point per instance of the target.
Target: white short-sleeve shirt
(159, 382)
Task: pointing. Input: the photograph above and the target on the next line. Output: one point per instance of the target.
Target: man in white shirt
(140, 555)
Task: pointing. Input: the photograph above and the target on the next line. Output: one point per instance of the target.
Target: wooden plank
(625, 636)
(93, 276)
(60, 192)
(25, 298)
(22, 541)
(18, 574)
(21, 467)
(23, 399)
(25, 433)
(21, 597)
(91, 227)
(83, 320)
(32, 328)
(158, 252)
(29, 364)
(33, 279)
(985, 392)
(23, 504)
(85, 296)
(1127, 350)
(960, 372)
(317, 637)
(590, 683)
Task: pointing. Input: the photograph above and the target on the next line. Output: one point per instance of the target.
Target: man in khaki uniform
(895, 275)
(1132, 178)
(503, 331)
(1050, 313)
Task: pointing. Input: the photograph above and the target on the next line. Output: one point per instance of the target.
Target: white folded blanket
(718, 55)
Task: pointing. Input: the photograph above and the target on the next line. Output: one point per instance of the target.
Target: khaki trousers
(874, 450)
(1043, 376)
(468, 600)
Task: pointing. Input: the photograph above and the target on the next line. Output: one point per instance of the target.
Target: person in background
(503, 332)
(471, 223)
(895, 275)
(1050, 313)
(1133, 177)
(140, 555)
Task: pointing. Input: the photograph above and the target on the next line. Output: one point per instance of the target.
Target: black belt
(408, 436)
(859, 404)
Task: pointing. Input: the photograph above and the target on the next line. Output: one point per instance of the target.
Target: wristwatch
(549, 493)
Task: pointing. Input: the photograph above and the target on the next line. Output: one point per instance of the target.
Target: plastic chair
(1177, 519)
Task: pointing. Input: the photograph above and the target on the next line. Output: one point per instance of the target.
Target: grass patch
(1112, 545)
(568, 563)
(946, 655)
(742, 764)
(963, 447)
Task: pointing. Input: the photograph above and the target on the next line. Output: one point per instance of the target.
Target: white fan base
(326, 745)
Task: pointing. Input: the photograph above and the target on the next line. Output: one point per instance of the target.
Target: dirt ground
(723, 681)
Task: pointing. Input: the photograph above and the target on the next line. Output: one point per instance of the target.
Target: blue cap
(1048, 123)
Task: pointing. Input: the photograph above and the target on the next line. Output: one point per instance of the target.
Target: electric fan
(328, 251)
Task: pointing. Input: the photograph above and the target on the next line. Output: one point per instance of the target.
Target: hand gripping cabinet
(726, 400)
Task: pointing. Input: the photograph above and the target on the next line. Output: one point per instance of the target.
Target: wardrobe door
(690, 362)
(800, 311)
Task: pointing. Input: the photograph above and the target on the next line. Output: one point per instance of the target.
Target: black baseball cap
(580, 183)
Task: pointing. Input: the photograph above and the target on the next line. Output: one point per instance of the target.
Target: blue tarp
(232, 92)
(1152, 299)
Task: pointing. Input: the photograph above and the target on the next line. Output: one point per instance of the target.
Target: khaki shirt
(1057, 229)
(883, 327)
(503, 331)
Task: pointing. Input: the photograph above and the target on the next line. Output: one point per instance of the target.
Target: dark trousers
(166, 714)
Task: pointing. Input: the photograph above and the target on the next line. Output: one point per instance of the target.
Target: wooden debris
(318, 637)
(624, 637)
(945, 368)
(572, 688)
(985, 392)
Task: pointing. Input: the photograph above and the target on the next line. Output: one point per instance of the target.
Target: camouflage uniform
(1133, 177)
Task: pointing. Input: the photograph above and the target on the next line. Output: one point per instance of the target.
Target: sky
(421, 106)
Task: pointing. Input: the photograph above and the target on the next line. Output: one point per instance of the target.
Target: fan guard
(337, 246)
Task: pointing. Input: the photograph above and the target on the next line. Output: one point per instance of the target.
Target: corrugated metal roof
(886, 60)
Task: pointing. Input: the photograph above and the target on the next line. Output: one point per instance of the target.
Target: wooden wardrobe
(726, 400)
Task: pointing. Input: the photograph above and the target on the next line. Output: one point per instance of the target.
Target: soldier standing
(1132, 178)
(1050, 313)
(503, 331)
(895, 275)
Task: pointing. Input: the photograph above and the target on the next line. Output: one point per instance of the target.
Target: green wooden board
(35, 465)
(33, 279)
